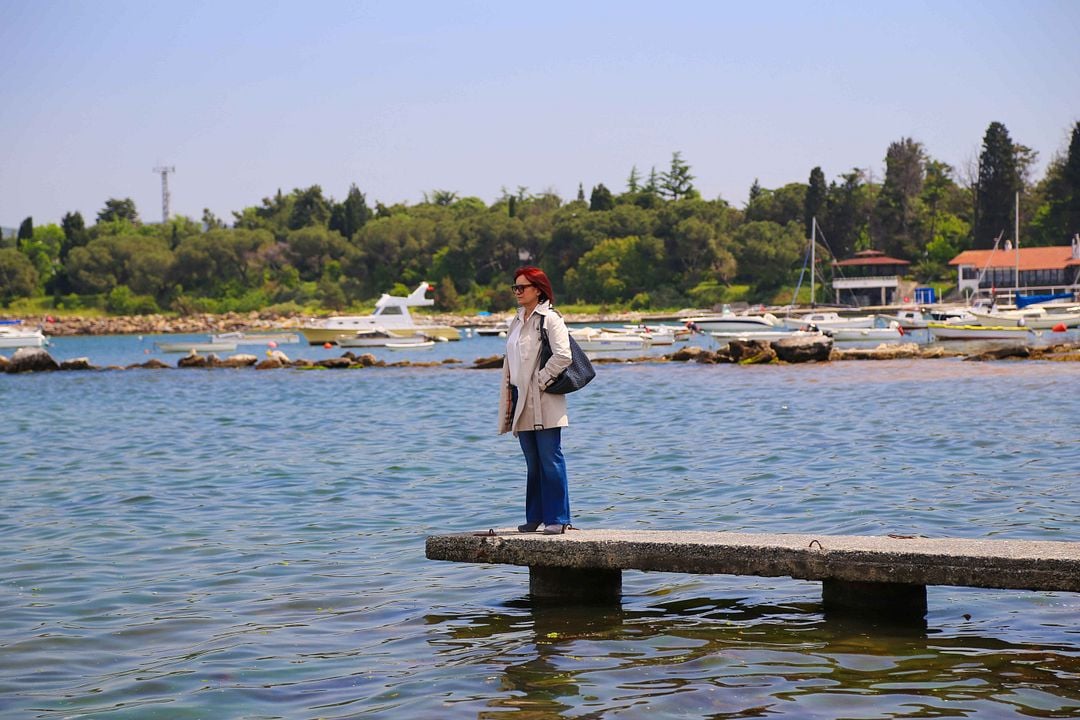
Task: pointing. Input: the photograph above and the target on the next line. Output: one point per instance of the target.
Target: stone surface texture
(997, 563)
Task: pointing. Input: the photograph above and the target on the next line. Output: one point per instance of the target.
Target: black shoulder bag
(574, 377)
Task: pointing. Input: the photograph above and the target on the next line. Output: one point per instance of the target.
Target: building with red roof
(870, 277)
(1042, 270)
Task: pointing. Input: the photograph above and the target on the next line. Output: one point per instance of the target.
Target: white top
(515, 351)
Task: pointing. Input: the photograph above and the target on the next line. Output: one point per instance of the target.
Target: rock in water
(31, 360)
(803, 349)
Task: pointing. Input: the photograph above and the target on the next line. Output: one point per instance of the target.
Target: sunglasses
(518, 289)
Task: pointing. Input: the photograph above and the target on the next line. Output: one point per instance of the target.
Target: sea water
(243, 544)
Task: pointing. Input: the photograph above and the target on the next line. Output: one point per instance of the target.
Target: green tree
(896, 214)
(309, 209)
(349, 216)
(26, 230)
(633, 183)
(998, 183)
(766, 253)
(849, 205)
(75, 233)
(119, 210)
(677, 182)
(43, 250)
(211, 221)
(1057, 219)
(817, 193)
(601, 199)
(616, 269)
(18, 278)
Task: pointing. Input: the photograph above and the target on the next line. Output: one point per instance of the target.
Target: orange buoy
(1060, 327)
(328, 345)
(272, 344)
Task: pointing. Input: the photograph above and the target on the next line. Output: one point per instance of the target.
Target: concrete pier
(884, 575)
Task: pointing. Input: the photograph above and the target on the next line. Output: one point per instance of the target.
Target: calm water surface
(241, 544)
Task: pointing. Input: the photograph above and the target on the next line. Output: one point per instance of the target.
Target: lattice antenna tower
(164, 171)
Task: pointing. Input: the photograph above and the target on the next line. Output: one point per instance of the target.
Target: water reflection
(726, 658)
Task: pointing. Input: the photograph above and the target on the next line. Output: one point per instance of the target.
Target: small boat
(419, 343)
(391, 314)
(908, 318)
(13, 336)
(190, 346)
(728, 321)
(726, 335)
(1033, 316)
(949, 331)
(367, 338)
(659, 335)
(894, 332)
(594, 340)
(249, 338)
(827, 320)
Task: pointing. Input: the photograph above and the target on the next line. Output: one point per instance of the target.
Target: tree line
(657, 243)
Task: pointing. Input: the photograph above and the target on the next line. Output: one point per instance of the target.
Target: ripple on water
(248, 544)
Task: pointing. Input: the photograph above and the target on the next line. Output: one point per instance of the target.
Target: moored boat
(1034, 317)
(251, 338)
(12, 335)
(876, 334)
(599, 340)
(949, 331)
(827, 320)
(376, 337)
(391, 313)
(729, 321)
(188, 346)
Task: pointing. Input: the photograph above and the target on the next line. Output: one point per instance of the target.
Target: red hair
(537, 277)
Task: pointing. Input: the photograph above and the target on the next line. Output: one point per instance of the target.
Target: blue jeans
(547, 497)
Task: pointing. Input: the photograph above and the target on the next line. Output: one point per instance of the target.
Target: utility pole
(164, 171)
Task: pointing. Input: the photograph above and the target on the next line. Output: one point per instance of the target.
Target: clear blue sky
(403, 98)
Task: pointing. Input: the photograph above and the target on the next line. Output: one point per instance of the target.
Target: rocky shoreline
(260, 321)
(741, 352)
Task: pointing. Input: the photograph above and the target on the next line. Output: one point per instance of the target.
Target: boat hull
(199, 347)
(323, 335)
(944, 331)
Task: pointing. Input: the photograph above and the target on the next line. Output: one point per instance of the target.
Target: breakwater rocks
(741, 352)
(249, 322)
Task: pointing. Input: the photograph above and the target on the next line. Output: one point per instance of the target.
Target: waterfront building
(869, 278)
(1042, 270)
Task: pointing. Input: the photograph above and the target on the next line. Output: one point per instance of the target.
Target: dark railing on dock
(883, 575)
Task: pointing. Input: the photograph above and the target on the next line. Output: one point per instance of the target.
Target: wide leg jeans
(547, 497)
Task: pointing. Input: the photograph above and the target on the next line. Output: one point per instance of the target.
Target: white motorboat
(950, 331)
(377, 337)
(391, 313)
(658, 334)
(872, 334)
(1033, 316)
(195, 346)
(827, 321)
(12, 335)
(498, 330)
(418, 343)
(251, 338)
(599, 340)
(908, 318)
(728, 321)
(727, 335)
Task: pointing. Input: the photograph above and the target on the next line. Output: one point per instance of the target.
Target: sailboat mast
(1016, 236)
(813, 265)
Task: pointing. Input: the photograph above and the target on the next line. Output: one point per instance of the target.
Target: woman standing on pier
(535, 417)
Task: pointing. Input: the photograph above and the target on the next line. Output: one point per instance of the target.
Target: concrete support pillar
(575, 584)
(898, 601)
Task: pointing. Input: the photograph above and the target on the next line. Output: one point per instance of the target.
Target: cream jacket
(536, 410)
